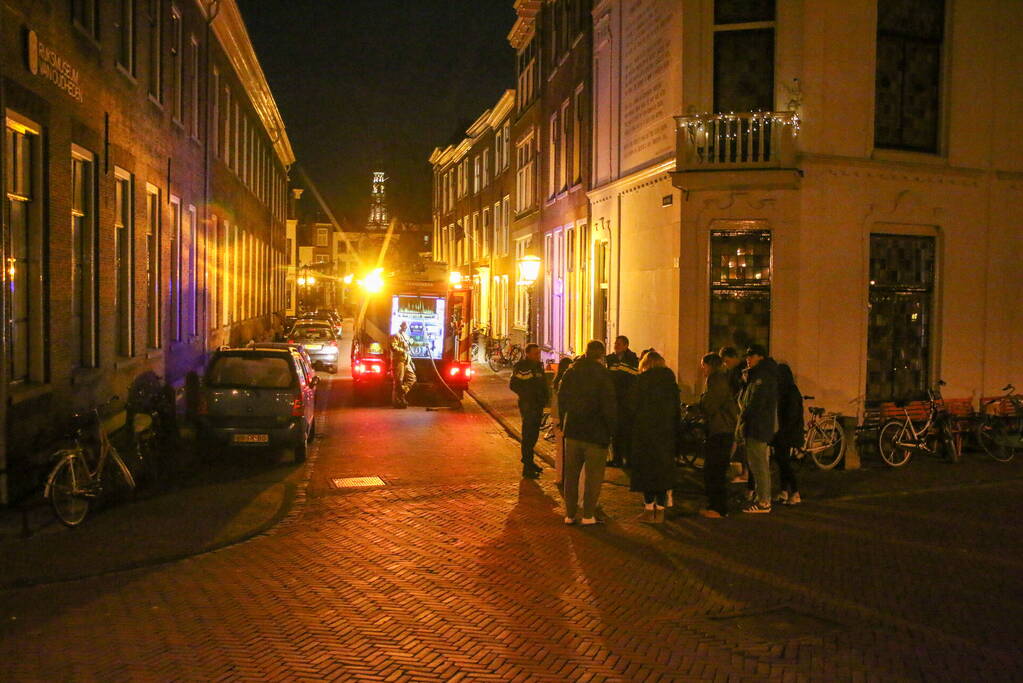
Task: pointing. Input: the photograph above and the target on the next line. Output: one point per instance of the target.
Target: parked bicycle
(87, 470)
(153, 429)
(824, 441)
(901, 437)
(502, 353)
(479, 342)
(692, 438)
(999, 426)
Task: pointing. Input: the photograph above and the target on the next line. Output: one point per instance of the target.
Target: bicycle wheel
(947, 443)
(994, 436)
(827, 447)
(495, 360)
(66, 488)
(888, 444)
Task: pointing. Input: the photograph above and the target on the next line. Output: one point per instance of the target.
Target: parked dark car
(320, 342)
(257, 398)
(303, 355)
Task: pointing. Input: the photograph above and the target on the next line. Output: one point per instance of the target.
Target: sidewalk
(873, 479)
(220, 506)
(491, 391)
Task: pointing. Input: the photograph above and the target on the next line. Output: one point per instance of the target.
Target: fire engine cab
(434, 309)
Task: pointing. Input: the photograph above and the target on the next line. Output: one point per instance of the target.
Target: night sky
(366, 86)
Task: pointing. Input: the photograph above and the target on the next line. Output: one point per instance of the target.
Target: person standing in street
(587, 410)
(559, 435)
(721, 410)
(624, 367)
(530, 385)
(403, 372)
(758, 420)
(655, 405)
(789, 436)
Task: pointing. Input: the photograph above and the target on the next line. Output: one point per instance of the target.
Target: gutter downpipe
(4, 498)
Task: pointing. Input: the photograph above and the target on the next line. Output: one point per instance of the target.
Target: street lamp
(528, 268)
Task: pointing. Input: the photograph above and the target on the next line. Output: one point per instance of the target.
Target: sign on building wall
(45, 62)
(651, 80)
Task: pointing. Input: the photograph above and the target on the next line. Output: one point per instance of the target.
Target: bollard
(851, 461)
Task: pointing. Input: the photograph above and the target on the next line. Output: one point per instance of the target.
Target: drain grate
(357, 482)
(776, 625)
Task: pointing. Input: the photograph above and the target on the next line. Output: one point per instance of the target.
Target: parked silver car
(257, 398)
(320, 342)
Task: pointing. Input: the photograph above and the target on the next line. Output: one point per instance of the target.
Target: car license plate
(313, 347)
(251, 438)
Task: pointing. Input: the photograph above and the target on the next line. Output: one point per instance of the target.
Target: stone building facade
(825, 178)
(145, 168)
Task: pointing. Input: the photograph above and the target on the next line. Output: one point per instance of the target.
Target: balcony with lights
(753, 150)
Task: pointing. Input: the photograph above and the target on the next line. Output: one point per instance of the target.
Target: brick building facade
(145, 168)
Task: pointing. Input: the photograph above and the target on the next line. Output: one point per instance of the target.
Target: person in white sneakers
(656, 413)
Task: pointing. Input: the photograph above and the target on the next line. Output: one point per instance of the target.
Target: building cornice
(230, 31)
(525, 25)
(599, 194)
(502, 109)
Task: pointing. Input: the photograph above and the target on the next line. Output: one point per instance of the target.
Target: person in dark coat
(587, 412)
(530, 384)
(720, 409)
(656, 412)
(758, 422)
(790, 434)
(623, 366)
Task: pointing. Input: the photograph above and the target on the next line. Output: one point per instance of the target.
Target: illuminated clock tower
(378, 217)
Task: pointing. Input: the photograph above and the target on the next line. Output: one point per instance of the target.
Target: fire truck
(437, 311)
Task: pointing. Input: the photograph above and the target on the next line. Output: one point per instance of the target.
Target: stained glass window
(910, 36)
(740, 288)
(899, 319)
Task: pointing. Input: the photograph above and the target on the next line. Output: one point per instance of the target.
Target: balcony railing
(755, 140)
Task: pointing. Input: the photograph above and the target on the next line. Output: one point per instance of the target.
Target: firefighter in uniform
(624, 367)
(403, 372)
(530, 384)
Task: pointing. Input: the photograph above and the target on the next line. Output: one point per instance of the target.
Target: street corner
(187, 521)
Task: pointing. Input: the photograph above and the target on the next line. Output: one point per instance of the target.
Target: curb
(287, 501)
(506, 425)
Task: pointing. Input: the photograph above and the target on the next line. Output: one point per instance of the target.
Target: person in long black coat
(789, 435)
(657, 414)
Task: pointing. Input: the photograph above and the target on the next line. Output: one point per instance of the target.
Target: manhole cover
(775, 625)
(357, 482)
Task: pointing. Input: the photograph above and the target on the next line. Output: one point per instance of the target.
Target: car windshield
(250, 372)
(313, 333)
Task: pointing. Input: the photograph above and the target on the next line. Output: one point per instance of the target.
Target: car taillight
(291, 341)
(468, 372)
(297, 407)
(376, 368)
(358, 368)
(454, 370)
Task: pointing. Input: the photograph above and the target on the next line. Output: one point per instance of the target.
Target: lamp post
(304, 281)
(528, 268)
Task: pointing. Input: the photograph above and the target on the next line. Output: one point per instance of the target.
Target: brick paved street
(457, 569)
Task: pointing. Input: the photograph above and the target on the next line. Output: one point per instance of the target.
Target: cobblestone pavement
(458, 569)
